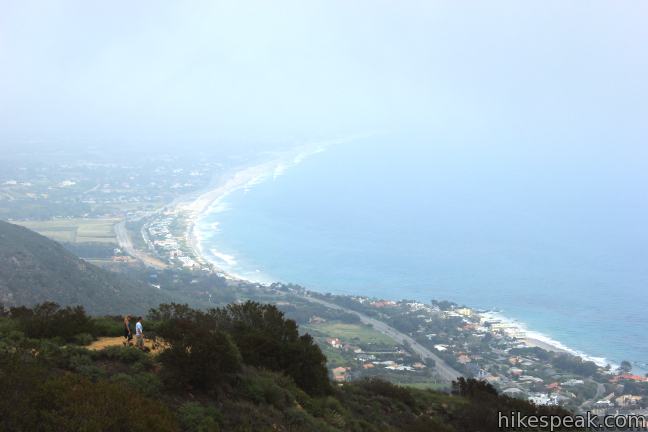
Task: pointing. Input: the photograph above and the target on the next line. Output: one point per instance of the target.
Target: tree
(625, 366)
(471, 388)
(199, 355)
(570, 363)
(267, 339)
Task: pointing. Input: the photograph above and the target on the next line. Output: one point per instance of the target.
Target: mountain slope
(35, 269)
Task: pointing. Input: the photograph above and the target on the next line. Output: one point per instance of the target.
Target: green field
(334, 357)
(352, 333)
(75, 230)
(424, 385)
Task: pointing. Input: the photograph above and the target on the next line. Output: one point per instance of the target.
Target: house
(383, 303)
(400, 367)
(464, 312)
(463, 358)
(368, 366)
(515, 333)
(543, 399)
(627, 401)
(516, 371)
(629, 377)
(365, 357)
(572, 382)
(492, 379)
(340, 374)
(529, 378)
(334, 342)
(386, 363)
(603, 403)
(316, 320)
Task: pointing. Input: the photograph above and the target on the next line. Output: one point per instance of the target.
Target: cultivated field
(352, 333)
(75, 230)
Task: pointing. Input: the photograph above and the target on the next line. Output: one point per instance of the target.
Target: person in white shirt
(139, 333)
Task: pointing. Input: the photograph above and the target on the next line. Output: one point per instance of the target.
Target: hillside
(244, 367)
(35, 269)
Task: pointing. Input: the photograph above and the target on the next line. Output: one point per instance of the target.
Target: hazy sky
(206, 72)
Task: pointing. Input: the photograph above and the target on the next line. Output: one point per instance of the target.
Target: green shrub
(146, 383)
(124, 354)
(7, 326)
(384, 388)
(48, 320)
(77, 360)
(195, 417)
(108, 326)
(264, 387)
(34, 397)
(74, 403)
(83, 339)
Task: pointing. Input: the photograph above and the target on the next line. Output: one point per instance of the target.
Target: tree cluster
(205, 348)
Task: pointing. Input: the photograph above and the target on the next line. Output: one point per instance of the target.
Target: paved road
(600, 392)
(446, 372)
(125, 243)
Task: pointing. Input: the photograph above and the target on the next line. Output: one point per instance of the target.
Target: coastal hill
(35, 269)
(243, 367)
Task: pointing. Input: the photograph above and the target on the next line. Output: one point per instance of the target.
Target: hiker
(139, 334)
(128, 335)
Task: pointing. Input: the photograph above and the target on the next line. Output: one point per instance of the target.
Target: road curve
(446, 372)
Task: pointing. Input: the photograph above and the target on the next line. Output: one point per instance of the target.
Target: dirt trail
(106, 342)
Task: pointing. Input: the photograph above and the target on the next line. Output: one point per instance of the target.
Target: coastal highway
(446, 372)
(125, 243)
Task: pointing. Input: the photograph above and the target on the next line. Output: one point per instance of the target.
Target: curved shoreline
(536, 339)
(242, 178)
(246, 177)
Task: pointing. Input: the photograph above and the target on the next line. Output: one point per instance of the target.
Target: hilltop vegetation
(243, 367)
(34, 269)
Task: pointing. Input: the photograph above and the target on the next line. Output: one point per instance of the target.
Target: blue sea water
(552, 237)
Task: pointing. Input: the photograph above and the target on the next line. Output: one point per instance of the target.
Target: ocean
(556, 239)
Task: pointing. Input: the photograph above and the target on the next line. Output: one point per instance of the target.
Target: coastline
(531, 338)
(537, 343)
(193, 209)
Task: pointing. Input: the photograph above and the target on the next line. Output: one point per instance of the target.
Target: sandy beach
(532, 342)
(192, 208)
